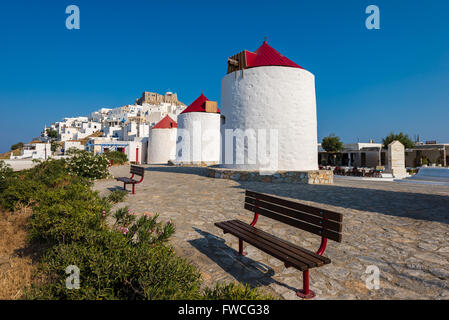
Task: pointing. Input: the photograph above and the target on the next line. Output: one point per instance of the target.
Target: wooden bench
(134, 170)
(325, 223)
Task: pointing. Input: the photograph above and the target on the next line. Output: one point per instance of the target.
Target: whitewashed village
(151, 130)
(256, 197)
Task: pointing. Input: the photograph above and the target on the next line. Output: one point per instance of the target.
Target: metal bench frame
(134, 170)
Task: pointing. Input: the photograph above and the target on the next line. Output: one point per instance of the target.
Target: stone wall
(302, 177)
(155, 98)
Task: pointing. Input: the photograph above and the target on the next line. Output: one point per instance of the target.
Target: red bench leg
(305, 293)
(133, 187)
(241, 252)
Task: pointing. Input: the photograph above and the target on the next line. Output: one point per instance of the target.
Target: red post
(133, 187)
(305, 293)
(256, 215)
(137, 155)
(305, 282)
(322, 246)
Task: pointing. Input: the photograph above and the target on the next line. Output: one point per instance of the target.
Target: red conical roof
(267, 56)
(166, 123)
(199, 105)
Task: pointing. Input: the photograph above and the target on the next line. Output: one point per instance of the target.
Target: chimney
(211, 106)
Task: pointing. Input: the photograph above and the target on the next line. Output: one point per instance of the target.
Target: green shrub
(68, 214)
(117, 195)
(17, 146)
(87, 165)
(20, 192)
(131, 261)
(117, 157)
(111, 268)
(233, 291)
(28, 187)
(146, 229)
(5, 173)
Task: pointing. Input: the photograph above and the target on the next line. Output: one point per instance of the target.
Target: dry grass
(7, 155)
(16, 266)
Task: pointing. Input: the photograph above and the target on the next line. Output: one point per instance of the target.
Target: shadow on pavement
(242, 268)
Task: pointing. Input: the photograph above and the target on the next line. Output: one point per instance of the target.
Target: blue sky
(368, 82)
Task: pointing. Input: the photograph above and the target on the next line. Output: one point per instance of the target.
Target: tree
(54, 146)
(332, 143)
(401, 137)
(51, 133)
(17, 146)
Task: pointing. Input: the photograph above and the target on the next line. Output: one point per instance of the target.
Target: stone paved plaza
(401, 228)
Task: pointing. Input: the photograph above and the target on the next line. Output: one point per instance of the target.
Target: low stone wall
(303, 177)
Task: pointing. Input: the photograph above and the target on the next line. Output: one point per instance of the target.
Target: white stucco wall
(162, 146)
(272, 97)
(198, 138)
(130, 150)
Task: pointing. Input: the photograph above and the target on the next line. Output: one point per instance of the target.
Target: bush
(144, 230)
(424, 161)
(28, 187)
(20, 192)
(110, 268)
(117, 157)
(117, 195)
(86, 164)
(5, 174)
(131, 261)
(68, 214)
(17, 146)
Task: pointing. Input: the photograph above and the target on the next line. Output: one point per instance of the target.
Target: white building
(73, 145)
(133, 130)
(133, 149)
(74, 128)
(359, 154)
(162, 142)
(272, 101)
(100, 115)
(155, 113)
(41, 151)
(198, 140)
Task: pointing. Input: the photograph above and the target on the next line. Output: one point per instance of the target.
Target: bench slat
(331, 215)
(296, 223)
(265, 248)
(318, 259)
(319, 221)
(305, 259)
(140, 171)
(126, 180)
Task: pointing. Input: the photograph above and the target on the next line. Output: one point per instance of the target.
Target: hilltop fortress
(155, 98)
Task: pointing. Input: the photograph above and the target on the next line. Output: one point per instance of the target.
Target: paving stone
(401, 228)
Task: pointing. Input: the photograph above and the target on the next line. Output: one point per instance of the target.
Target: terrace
(401, 228)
